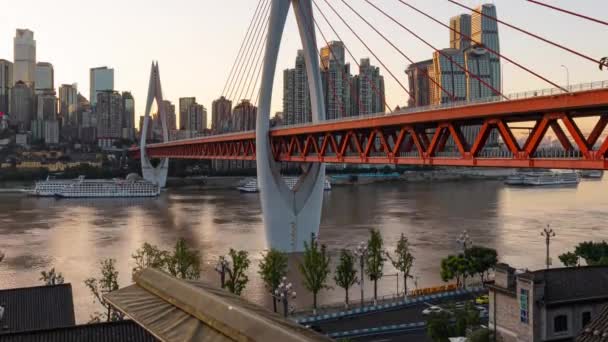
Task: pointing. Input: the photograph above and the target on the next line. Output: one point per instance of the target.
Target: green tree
(149, 256)
(184, 263)
(569, 259)
(403, 261)
(346, 274)
(455, 267)
(592, 252)
(237, 279)
(315, 268)
(480, 335)
(51, 277)
(272, 268)
(466, 317)
(481, 260)
(374, 263)
(107, 283)
(438, 326)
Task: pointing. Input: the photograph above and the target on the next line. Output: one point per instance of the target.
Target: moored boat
(251, 184)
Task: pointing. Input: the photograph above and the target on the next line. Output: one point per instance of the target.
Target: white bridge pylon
(150, 173)
(290, 216)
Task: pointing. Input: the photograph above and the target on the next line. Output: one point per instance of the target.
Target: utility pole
(548, 233)
(221, 267)
(361, 253)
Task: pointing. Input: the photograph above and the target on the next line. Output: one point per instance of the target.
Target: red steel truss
(422, 138)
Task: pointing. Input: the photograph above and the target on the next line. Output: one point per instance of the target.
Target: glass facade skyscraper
(101, 79)
(25, 57)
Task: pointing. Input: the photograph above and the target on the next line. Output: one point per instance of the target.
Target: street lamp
(221, 267)
(465, 240)
(361, 253)
(548, 233)
(567, 76)
(283, 292)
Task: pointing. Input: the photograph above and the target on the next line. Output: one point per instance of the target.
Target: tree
(107, 283)
(481, 260)
(403, 261)
(466, 317)
(51, 278)
(375, 259)
(237, 279)
(346, 274)
(272, 268)
(438, 326)
(184, 263)
(592, 252)
(455, 267)
(480, 335)
(569, 259)
(315, 268)
(149, 256)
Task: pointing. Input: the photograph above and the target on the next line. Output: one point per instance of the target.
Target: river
(74, 235)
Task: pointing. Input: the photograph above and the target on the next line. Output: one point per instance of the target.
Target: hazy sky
(196, 41)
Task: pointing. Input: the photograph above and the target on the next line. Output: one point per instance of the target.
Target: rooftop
(597, 330)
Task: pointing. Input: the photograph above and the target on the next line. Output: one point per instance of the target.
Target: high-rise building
(46, 104)
(128, 116)
(45, 77)
(460, 26)
(184, 104)
(244, 116)
(370, 89)
(484, 31)
(419, 79)
(170, 115)
(478, 62)
(197, 117)
(6, 83)
(335, 74)
(109, 114)
(446, 73)
(68, 104)
(25, 57)
(296, 93)
(221, 115)
(22, 105)
(101, 79)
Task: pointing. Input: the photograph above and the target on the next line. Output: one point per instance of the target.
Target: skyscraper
(296, 93)
(447, 74)
(68, 104)
(244, 116)
(170, 115)
(45, 77)
(484, 31)
(22, 105)
(6, 83)
(478, 62)
(370, 89)
(461, 26)
(197, 117)
(221, 115)
(101, 79)
(418, 77)
(25, 57)
(109, 114)
(184, 104)
(128, 116)
(335, 74)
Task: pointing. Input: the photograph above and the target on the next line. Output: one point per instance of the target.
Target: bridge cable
(398, 50)
(310, 32)
(496, 92)
(243, 67)
(258, 73)
(239, 54)
(386, 105)
(569, 12)
(595, 61)
(258, 55)
(496, 53)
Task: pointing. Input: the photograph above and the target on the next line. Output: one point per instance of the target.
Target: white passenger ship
(132, 186)
(251, 184)
(593, 174)
(543, 178)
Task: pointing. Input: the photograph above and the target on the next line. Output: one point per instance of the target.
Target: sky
(196, 41)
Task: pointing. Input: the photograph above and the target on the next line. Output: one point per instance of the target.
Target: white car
(431, 310)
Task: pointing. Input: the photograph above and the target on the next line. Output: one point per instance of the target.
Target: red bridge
(421, 137)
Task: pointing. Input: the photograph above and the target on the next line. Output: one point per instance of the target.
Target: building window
(523, 306)
(586, 318)
(560, 323)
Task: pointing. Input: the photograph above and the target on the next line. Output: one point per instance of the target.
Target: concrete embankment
(205, 183)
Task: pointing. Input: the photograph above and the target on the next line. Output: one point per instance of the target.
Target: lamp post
(361, 253)
(283, 292)
(465, 240)
(221, 267)
(567, 76)
(548, 233)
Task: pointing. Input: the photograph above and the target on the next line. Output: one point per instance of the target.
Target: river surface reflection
(73, 235)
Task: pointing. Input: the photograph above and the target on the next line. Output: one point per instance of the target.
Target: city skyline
(179, 64)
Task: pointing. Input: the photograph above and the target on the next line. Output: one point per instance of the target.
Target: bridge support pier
(290, 216)
(150, 173)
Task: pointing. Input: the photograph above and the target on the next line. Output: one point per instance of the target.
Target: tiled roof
(573, 283)
(124, 331)
(596, 330)
(33, 308)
